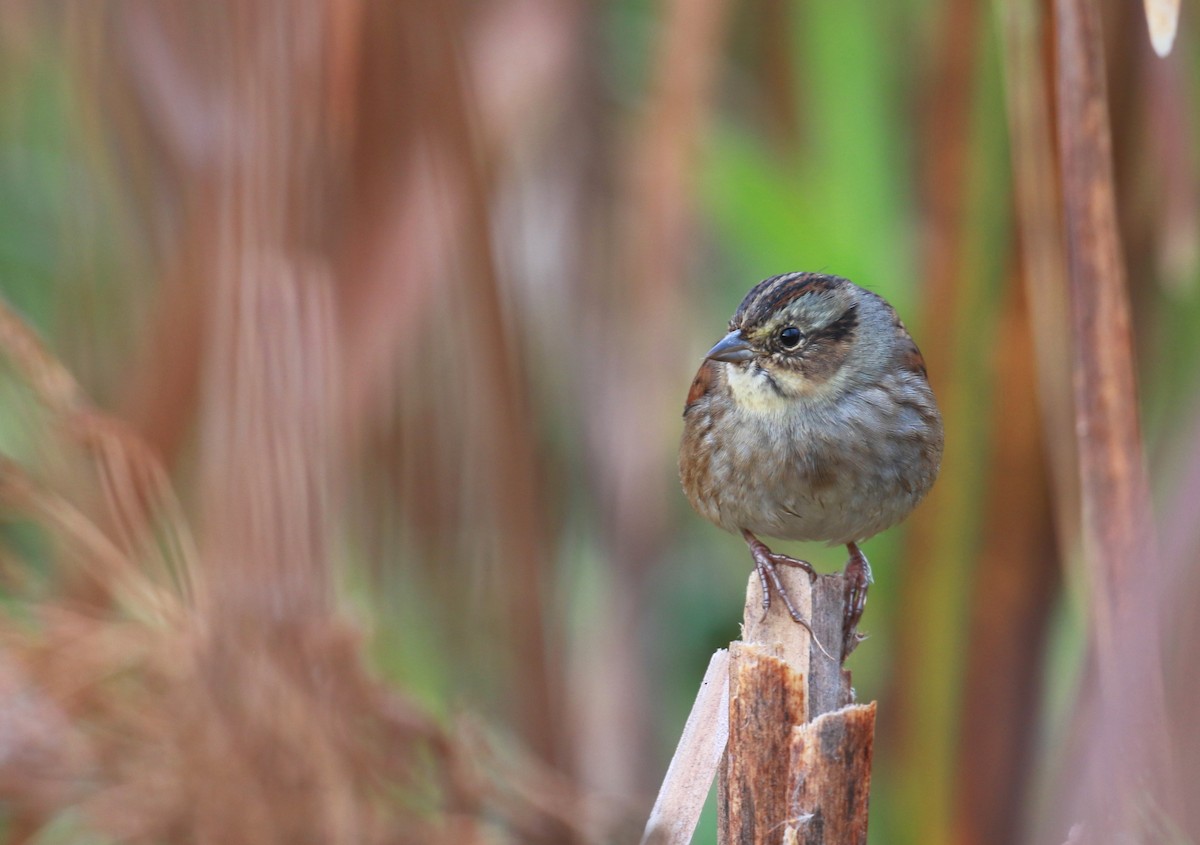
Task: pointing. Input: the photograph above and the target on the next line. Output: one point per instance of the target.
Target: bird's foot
(766, 561)
(857, 575)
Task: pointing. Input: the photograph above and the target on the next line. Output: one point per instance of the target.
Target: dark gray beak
(732, 348)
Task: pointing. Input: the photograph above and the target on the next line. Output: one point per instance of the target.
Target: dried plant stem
(142, 512)
(1112, 468)
(798, 766)
(45, 375)
(685, 787)
(1116, 527)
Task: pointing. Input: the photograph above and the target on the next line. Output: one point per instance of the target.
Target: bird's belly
(840, 481)
(858, 506)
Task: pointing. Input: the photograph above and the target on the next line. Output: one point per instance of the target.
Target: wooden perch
(797, 767)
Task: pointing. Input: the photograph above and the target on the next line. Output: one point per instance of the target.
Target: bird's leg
(858, 578)
(765, 562)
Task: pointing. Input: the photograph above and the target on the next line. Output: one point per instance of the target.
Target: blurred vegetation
(496, 238)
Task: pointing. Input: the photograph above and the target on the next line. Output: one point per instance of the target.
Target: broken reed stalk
(797, 766)
(701, 747)
(1132, 749)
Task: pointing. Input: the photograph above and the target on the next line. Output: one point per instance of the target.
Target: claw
(784, 560)
(765, 562)
(858, 580)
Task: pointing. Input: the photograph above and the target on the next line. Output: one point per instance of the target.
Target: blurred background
(343, 361)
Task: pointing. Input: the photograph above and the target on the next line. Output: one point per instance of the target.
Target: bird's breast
(834, 471)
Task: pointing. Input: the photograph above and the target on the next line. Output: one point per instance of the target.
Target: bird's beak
(732, 348)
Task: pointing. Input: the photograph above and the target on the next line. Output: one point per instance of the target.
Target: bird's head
(793, 336)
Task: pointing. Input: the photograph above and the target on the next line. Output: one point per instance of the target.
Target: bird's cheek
(824, 360)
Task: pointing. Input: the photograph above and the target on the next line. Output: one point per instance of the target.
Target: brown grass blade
(142, 519)
(87, 549)
(50, 381)
(1115, 490)
(1128, 748)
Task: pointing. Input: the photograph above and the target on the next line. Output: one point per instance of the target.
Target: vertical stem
(1112, 472)
(798, 767)
(1129, 741)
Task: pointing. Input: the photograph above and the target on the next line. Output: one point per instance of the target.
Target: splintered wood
(829, 777)
(756, 779)
(798, 764)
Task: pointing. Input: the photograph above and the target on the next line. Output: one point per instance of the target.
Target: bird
(812, 419)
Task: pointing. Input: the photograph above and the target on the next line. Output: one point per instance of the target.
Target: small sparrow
(811, 420)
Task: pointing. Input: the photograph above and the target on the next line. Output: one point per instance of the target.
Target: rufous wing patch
(705, 380)
(909, 356)
(912, 360)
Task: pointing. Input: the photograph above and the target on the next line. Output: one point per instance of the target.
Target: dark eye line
(843, 328)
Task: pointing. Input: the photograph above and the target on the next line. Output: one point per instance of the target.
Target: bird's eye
(790, 337)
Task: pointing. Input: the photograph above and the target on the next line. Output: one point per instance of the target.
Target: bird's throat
(757, 391)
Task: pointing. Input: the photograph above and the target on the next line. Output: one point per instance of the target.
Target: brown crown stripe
(771, 294)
